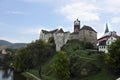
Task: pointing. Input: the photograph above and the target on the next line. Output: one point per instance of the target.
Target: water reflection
(7, 74)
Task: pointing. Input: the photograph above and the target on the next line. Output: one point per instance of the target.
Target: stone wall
(88, 36)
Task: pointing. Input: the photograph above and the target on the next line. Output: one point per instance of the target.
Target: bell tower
(76, 25)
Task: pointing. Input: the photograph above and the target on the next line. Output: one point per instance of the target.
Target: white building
(103, 45)
(106, 40)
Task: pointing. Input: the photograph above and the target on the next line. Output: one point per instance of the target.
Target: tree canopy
(113, 58)
(33, 55)
(61, 66)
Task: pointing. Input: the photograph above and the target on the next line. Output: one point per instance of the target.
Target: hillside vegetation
(75, 61)
(84, 64)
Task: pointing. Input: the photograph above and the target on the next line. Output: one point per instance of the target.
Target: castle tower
(106, 30)
(76, 25)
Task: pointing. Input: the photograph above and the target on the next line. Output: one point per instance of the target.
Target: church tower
(76, 25)
(106, 30)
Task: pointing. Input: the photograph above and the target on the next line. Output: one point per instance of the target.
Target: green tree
(33, 56)
(40, 50)
(61, 66)
(113, 58)
(22, 60)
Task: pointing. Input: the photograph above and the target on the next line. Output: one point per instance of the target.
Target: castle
(86, 33)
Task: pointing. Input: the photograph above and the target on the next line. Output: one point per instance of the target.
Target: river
(7, 74)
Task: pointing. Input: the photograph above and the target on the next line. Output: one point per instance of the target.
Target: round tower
(76, 25)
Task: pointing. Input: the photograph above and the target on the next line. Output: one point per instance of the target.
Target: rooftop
(85, 27)
(53, 31)
(60, 31)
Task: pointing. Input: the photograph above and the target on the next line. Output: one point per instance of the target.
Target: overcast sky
(22, 20)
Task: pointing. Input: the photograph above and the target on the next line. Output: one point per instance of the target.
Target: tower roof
(106, 30)
(77, 22)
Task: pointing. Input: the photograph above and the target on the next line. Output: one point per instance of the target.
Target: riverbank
(30, 76)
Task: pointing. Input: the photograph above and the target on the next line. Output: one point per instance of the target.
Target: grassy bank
(44, 76)
(102, 75)
(30, 76)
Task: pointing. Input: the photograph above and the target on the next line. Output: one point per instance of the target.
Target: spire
(106, 30)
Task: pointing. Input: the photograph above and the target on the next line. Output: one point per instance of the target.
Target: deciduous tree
(61, 66)
(113, 58)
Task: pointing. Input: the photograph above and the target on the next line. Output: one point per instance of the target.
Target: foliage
(82, 66)
(71, 46)
(6, 59)
(75, 65)
(11, 51)
(83, 62)
(113, 58)
(33, 56)
(22, 60)
(61, 66)
(40, 50)
(102, 75)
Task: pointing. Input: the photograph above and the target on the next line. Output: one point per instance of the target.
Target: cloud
(34, 30)
(110, 6)
(83, 11)
(15, 12)
(36, 1)
(113, 3)
(31, 31)
(115, 20)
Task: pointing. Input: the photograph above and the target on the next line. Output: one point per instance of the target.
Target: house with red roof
(106, 40)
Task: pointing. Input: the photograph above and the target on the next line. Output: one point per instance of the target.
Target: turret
(76, 26)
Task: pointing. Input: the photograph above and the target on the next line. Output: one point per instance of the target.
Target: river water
(7, 74)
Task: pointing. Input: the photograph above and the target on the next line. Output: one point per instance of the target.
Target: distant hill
(17, 45)
(5, 43)
(11, 45)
